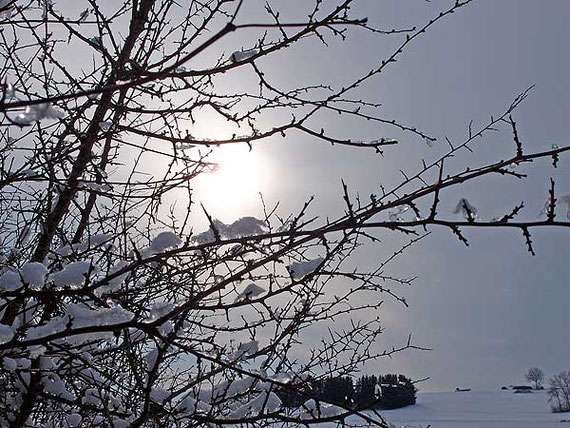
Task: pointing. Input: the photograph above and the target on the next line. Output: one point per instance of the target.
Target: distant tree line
(389, 391)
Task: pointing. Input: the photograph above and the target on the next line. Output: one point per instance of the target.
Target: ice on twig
(252, 290)
(300, 269)
(239, 56)
(160, 309)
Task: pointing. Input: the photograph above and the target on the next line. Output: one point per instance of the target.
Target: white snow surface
(72, 274)
(163, 241)
(116, 282)
(245, 226)
(239, 56)
(37, 112)
(10, 281)
(312, 409)
(73, 419)
(300, 269)
(9, 364)
(34, 273)
(250, 291)
(6, 333)
(84, 316)
(159, 395)
(266, 402)
(474, 409)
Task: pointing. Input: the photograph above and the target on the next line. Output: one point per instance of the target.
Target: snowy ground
(473, 409)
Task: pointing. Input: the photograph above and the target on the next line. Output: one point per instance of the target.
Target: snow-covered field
(473, 409)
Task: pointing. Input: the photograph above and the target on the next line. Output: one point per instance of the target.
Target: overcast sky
(489, 311)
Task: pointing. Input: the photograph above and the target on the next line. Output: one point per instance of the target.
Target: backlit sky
(489, 311)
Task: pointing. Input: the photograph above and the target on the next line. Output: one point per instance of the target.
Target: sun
(234, 184)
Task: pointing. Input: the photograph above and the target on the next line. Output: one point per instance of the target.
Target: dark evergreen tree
(365, 392)
(396, 391)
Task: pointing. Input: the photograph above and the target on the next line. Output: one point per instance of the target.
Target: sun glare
(234, 184)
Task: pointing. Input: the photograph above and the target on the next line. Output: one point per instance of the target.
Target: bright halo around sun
(233, 186)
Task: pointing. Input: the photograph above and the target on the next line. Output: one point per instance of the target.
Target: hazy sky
(489, 311)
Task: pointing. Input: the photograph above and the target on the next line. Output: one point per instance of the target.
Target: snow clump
(72, 274)
(252, 290)
(34, 273)
(300, 269)
(164, 241)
